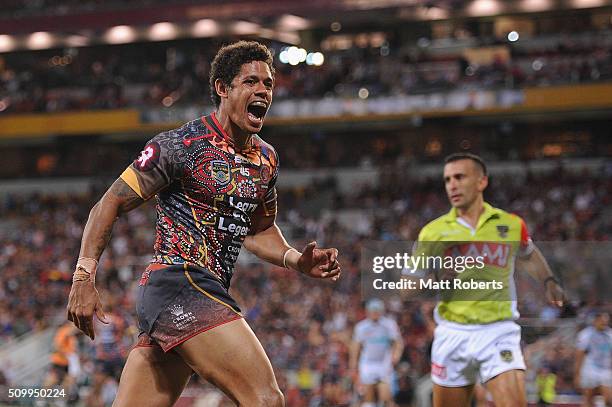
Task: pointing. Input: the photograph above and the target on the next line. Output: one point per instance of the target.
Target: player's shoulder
(433, 227)
(178, 137)
(361, 324)
(585, 332)
(267, 150)
(508, 216)
(388, 321)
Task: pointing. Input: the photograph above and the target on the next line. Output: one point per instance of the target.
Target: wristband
(551, 278)
(85, 270)
(285, 256)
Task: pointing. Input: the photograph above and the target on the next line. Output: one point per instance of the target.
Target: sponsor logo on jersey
(506, 355)
(220, 172)
(232, 226)
(243, 204)
(503, 231)
(148, 157)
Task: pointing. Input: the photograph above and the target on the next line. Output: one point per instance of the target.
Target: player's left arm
(531, 259)
(268, 243)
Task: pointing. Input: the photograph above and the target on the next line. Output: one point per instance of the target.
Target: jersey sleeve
(582, 342)
(157, 166)
(526, 245)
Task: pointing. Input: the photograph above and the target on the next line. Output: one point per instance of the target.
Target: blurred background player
(593, 369)
(476, 336)
(111, 348)
(65, 361)
(376, 350)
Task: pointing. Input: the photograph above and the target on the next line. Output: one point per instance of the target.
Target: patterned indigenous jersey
(209, 196)
(497, 239)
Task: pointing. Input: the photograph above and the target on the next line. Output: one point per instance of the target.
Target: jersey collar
(213, 125)
(489, 212)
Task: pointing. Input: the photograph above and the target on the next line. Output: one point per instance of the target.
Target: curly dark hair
(230, 58)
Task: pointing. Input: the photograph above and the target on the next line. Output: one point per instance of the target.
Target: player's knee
(272, 397)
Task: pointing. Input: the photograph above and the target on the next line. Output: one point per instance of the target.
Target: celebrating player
(593, 370)
(378, 346)
(476, 335)
(214, 181)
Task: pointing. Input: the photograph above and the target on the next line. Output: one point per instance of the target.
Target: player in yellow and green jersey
(476, 336)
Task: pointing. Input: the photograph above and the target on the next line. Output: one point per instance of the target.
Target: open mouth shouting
(256, 111)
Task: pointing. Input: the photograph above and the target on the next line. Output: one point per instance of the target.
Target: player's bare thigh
(452, 396)
(151, 378)
(508, 389)
(231, 357)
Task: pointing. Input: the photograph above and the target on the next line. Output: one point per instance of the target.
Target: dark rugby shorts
(177, 302)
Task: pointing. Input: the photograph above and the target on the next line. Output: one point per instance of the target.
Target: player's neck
(472, 213)
(240, 139)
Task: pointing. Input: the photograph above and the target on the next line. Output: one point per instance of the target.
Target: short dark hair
(467, 156)
(230, 58)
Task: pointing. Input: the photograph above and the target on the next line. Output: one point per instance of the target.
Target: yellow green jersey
(496, 240)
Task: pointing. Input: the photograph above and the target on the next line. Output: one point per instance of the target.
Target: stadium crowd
(146, 75)
(28, 8)
(305, 325)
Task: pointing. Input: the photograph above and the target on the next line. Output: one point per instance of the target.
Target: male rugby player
(476, 335)
(214, 182)
(377, 347)
(593, 371)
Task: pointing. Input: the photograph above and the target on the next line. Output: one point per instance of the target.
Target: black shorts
(177, 302)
